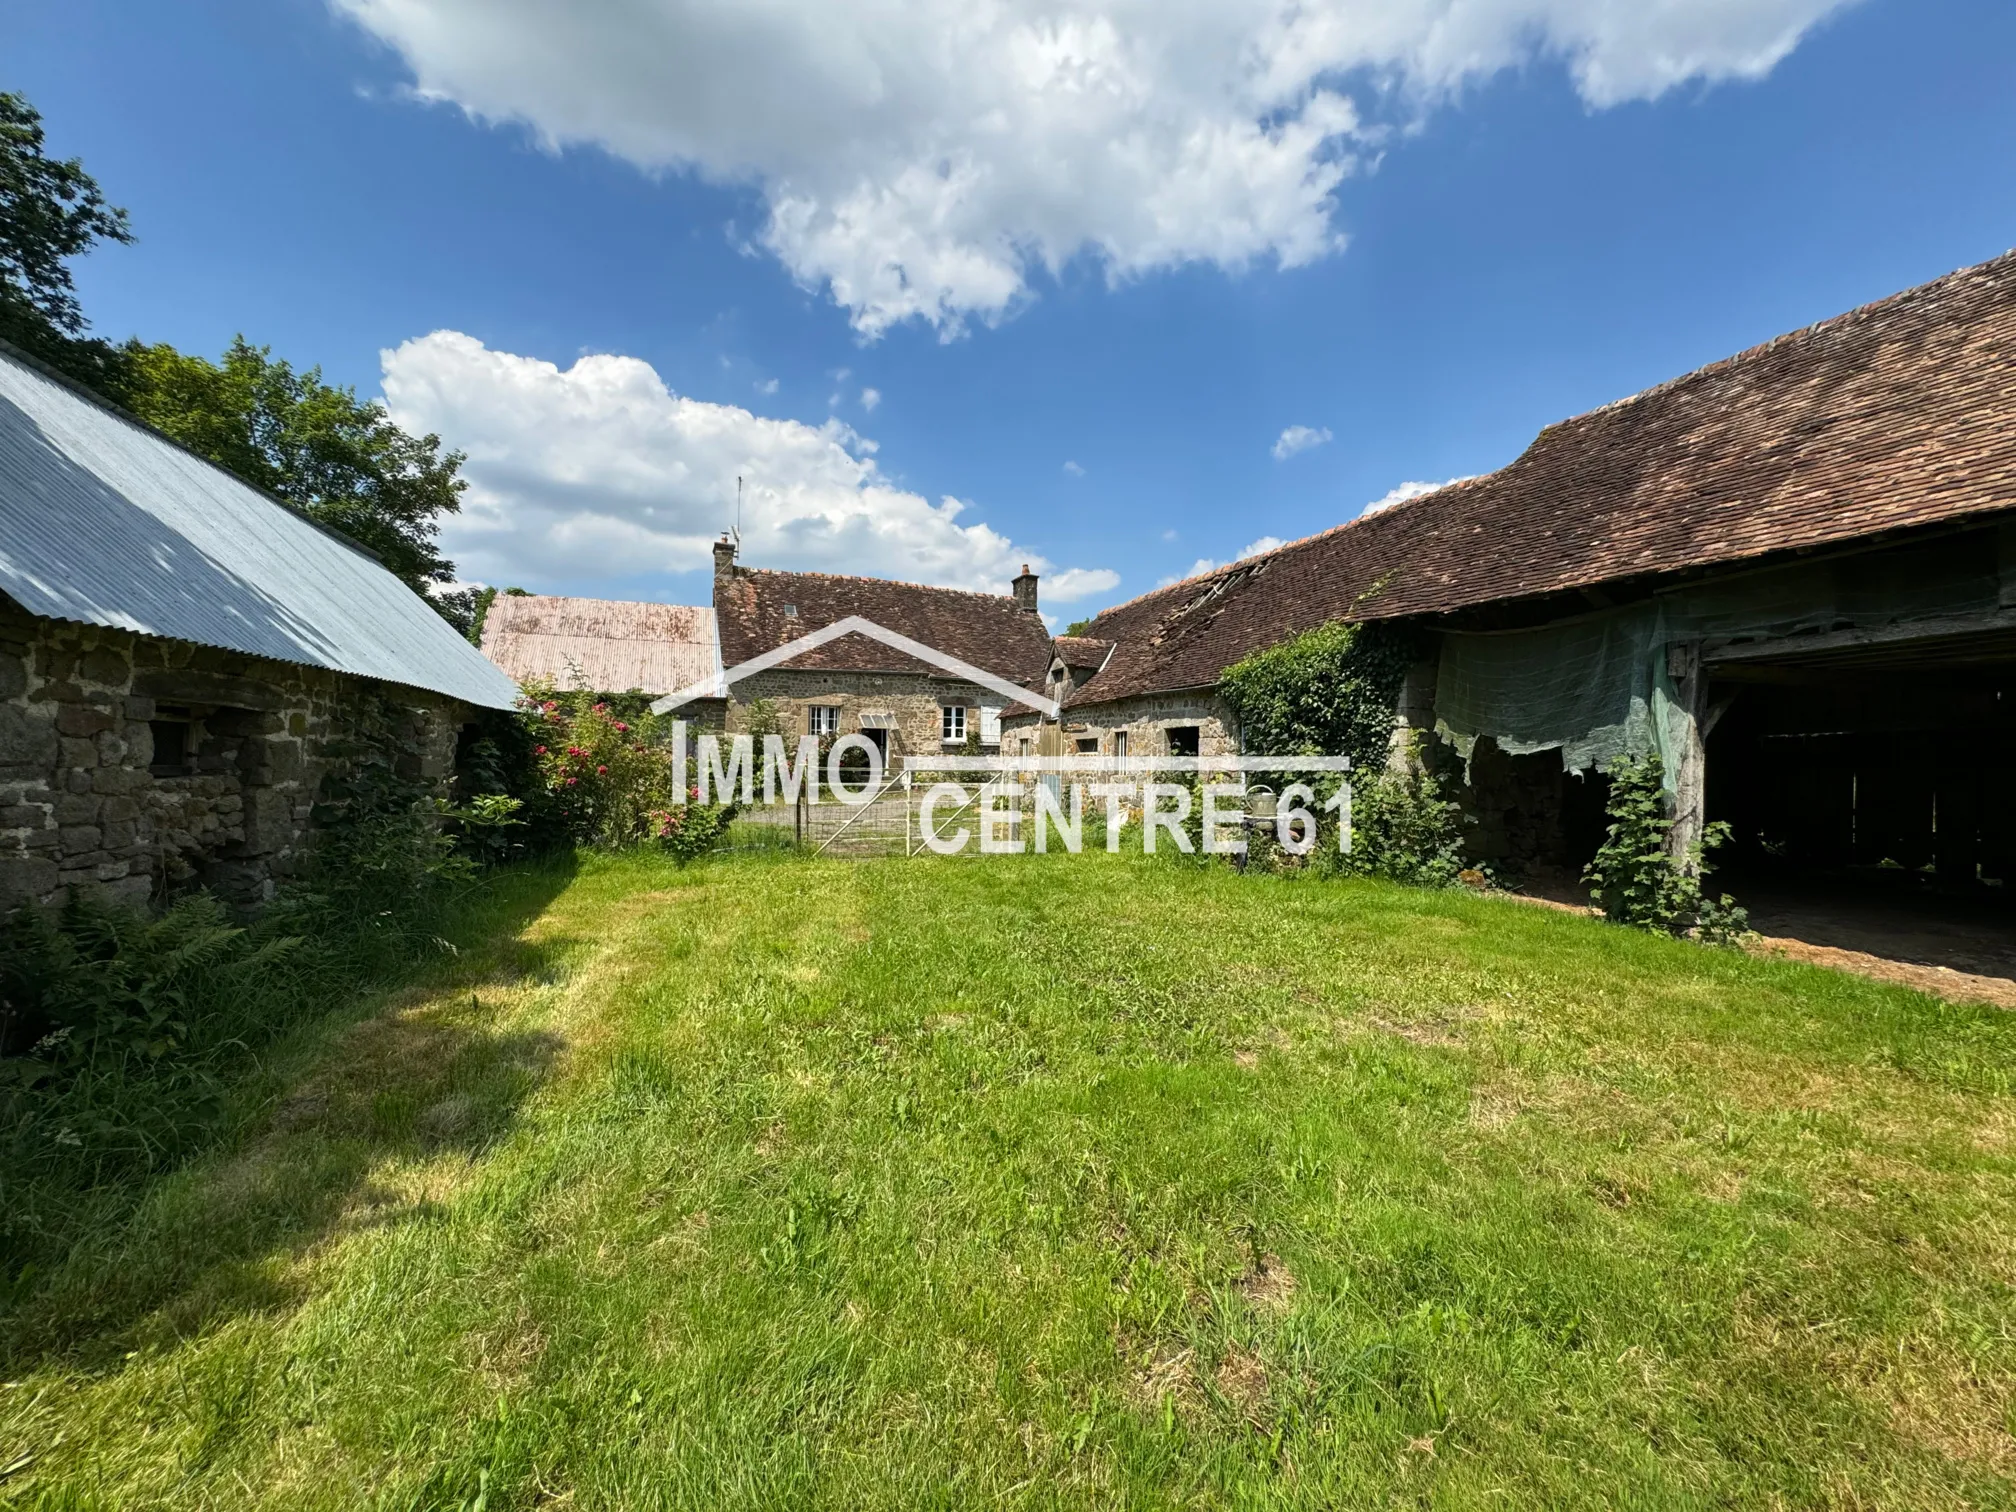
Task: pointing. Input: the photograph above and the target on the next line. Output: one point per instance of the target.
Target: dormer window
(790, 611)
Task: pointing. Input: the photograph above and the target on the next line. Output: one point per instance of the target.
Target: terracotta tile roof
(759, 610)
(1081, 652)
(1899, 414)
(612, 647)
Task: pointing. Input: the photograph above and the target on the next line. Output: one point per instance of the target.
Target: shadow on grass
(425, 1083)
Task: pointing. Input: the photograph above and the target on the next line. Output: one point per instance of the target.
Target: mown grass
(1066, 1182)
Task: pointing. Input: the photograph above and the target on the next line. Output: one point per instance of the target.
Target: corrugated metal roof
(106, 522)
(600, 644)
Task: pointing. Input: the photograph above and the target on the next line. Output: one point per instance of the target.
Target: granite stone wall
(915, 701)
(137, 765)
(1146, 722)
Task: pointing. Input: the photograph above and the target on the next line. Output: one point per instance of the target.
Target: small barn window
(954, 721)
(1089, 746)
(171, 747)
(825, 719)
(1119, 742)
(1182, 740)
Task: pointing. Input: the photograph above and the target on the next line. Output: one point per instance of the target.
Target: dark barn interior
(1888, 758)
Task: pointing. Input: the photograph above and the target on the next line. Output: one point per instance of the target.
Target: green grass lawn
(1069, 1182)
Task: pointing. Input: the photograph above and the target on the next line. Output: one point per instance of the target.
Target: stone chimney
(1025, 589)
(724, 557)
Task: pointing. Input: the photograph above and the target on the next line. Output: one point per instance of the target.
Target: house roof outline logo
(718, 684)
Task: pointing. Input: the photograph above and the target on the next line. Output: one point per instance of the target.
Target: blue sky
(1485, 231)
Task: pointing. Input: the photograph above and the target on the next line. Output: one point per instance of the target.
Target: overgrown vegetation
(1637, 879)
(1065, 1182)
(1404, 828)
(604, 774)
(127, 1041)
(1329, 692)
(1334, 691)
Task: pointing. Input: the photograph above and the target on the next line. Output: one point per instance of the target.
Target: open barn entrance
(1868, 789)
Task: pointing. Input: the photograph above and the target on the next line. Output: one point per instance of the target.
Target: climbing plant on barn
(1331, 691)
(1335, 691)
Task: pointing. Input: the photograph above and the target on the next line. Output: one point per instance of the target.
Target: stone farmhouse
(184, 660)
(909, 708)
(852, 685)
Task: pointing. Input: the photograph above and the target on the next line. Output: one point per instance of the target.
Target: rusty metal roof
(602, 645)
(107, 522)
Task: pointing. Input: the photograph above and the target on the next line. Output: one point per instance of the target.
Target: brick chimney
(724, 557)
(1025, 589)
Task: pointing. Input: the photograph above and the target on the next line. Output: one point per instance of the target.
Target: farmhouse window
(825, 719)
(990, 726)
(954, 721)
(1119, 742)
(1182, 740)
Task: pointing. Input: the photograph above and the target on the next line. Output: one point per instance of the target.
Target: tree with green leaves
(338, 459)
(51, 210)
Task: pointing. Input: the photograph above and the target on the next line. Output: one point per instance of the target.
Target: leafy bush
(1636, 879)
(690, 830)
(606, 778)
(124, 1036)
(1335, 691)
(603, 773)
(1403, 829)
(116, 1023)
(1332, 691)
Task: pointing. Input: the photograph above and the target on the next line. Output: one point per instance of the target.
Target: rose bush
(605, 767)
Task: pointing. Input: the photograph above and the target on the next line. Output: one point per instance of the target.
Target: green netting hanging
(1598, 686)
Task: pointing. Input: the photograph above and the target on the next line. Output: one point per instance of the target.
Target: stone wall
(916, 701)
(1512, 807)
(1146, 721)
(92, 792)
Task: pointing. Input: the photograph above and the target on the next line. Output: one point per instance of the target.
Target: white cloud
(767, 387)
(1075, 583)
(598, 472)
(870, 398)
(919, 158)
(1206, 564)
(1298, 438)
(1405, 492)
(1074, 469)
